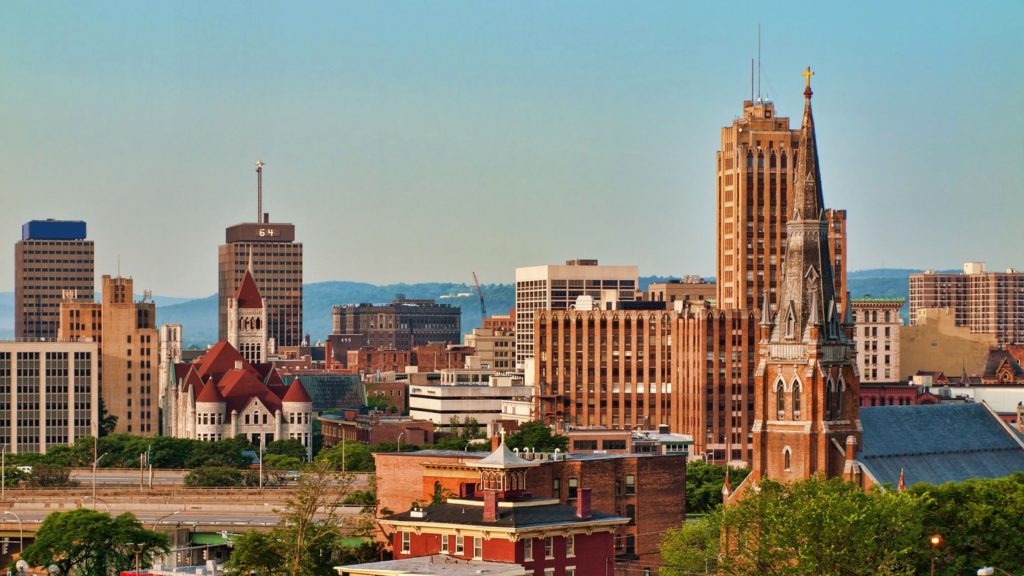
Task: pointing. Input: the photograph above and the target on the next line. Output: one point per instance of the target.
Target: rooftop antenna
(259, 191)
(758, 61)
(752, 101)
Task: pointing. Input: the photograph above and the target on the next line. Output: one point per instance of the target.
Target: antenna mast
(259, 191)
(759, 61)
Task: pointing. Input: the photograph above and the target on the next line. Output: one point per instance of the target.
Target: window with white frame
(406, 542)
(549, 547)
(570, 545)
(460, 545)
(478, 548)
(570, 571)
(444, 544)
(528, 549)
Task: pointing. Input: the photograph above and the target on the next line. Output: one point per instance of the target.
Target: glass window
(444, 544)
(549, 547)
(478, 548)
(406, 542)
(574, 485)
(630, 485)
(460, 545)
(528, 549)
(570, 545)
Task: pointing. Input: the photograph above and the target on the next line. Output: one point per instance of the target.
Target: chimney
(583, 504)
(238, 364)
(490, 506)
(851, 448)
(495, 442)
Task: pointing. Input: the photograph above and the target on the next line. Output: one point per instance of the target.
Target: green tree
(47, 476)
(108, 422)
(254, 552)
(980, 521)
(85, 542)
(807, 528)
(288, 447)
(704, 485)
(213, 477)
(312, 523)
(281, 462)
(536, 436)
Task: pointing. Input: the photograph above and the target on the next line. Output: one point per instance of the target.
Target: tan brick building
(689, 289)
(755, 174)
(129, 351)
(877, 333)
(53, 256)
(494, 346)
(985, 302)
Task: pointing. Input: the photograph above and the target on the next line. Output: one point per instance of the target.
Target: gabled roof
(937, 443)
(220, 359)
(996, 360)
(248, 295)
(296, 393)
(239, 387)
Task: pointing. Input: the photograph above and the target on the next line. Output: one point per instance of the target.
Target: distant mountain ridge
(199, 316)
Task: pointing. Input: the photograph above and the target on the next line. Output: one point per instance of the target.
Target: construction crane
(483, 309)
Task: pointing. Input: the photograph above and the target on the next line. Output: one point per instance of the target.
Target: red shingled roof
(248, 295)
(210, 393)
(220, 359)
(297, 393)
(239, 387)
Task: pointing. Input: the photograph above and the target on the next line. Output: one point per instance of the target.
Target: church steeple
(807, 282)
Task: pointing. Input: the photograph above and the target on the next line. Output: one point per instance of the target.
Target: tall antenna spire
(752, 101)
(259, 191)
(758, 61)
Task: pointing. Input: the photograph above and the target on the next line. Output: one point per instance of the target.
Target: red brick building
(375, 428)
(647, 488)
(434, 357)
(367, 360)
(894, 394)
(497, 518)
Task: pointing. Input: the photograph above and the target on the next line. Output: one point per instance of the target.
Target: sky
(424, 140)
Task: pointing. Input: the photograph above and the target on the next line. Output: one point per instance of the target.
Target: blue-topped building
(53, 230)
(52, 260)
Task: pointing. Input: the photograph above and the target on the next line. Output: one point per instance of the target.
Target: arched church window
(796, 399)
(780, 399)
(787, 459)
(829, 392)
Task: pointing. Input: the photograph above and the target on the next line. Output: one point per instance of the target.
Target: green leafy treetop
(85, 542)
(536, 436)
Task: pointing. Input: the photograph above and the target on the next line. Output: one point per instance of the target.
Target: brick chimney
(495, 442)
(583, 510)
(490, 506)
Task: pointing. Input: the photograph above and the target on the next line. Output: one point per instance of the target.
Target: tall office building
(556, 287)
(986, 302)
(51, 257)
(878, 338)
(276, 267)
(755, 175)
(401, 325)
(129, 351)
(49, 394)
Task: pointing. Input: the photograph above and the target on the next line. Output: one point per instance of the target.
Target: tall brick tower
(756, 170)
(806, 384)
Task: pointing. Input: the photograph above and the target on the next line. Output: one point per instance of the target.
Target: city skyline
(578, 130)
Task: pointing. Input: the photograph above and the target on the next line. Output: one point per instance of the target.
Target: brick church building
(806, 393)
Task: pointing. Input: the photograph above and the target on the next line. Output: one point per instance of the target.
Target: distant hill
(199, 316)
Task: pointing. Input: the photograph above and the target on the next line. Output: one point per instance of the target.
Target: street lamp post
(94, 464)
(3, 473)
(175, 513)
(400, 441)
(21, 531)
(137, 548)
(95, 500)
(935, 540)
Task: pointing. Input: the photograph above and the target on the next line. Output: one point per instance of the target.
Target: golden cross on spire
(807, 75)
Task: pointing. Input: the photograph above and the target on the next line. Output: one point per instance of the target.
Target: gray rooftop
(937, 444)
(438, 564)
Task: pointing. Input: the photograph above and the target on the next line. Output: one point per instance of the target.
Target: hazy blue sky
(424, 140)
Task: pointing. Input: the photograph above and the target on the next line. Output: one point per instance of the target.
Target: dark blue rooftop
(53, 230)
(937, 444)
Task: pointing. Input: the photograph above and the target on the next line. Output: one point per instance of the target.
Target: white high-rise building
(556, 287)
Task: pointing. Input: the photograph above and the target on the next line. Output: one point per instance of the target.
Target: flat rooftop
(438, 564)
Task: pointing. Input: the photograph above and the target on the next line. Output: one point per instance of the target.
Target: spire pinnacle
(807, 194)
(766, 310)
(807, 77)
(248, 266)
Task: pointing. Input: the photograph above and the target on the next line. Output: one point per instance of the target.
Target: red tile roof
(219, 359)
(210, 393)
(239, 387)
(297, 393)
(248, 295)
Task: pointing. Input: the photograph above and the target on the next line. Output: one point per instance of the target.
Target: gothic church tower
(247, 320)
(806, 408)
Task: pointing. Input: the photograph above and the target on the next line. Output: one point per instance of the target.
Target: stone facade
(221, 395)
(247, 321)
(877, 333)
